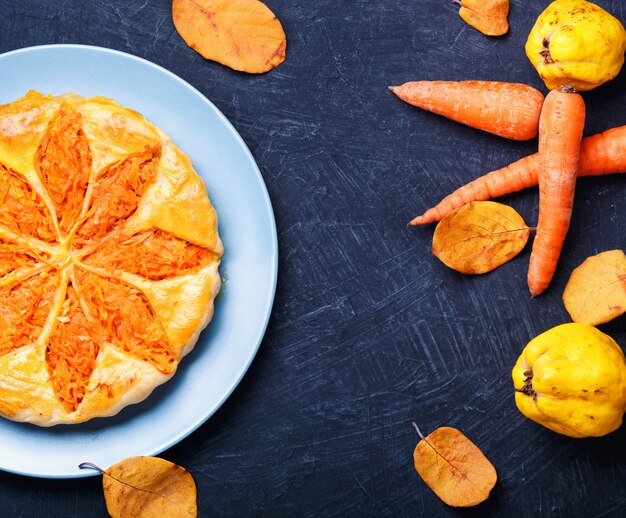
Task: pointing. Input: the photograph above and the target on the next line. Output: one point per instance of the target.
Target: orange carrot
(560, 132)
(604, 153)
(510, 110)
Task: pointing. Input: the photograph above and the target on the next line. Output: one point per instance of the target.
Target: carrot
(560, 133)
(510, 110)
(604, 153)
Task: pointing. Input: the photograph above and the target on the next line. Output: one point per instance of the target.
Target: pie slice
(109, 257)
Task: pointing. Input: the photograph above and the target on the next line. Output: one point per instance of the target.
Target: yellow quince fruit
(576, 43)
(572, 380)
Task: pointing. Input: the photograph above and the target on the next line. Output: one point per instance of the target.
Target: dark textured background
(369, 331)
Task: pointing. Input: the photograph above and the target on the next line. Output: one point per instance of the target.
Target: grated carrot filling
(127, 319)
(72, 351)
(98, 310)
(154, 254)
(24, 310)
(65, 163)
(21, 209)
(117, 192)
(13, 256)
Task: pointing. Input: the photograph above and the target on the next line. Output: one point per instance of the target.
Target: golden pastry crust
(109, 256)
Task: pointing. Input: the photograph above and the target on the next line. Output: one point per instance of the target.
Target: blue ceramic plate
(208, 375)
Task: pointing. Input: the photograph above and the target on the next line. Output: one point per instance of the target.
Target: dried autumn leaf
(244, 35)
(479, 237)
(596, 290)
(488, 16)
(148, 487)
(454, 467)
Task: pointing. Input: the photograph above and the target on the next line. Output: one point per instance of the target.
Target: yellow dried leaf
(596, 290)
(454, 467)
(148, 487)
(479, 237)
(488, 16)
(244, 35)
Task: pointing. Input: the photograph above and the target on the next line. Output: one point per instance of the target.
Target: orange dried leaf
(454, 468)
(479, 237)
(148, 487)
(244, 35)
(488, 16)
(596, 290)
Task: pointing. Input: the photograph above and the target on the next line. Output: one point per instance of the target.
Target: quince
(576, 43)
(572, 380)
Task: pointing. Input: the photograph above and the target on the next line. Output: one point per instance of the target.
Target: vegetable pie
(109, 256)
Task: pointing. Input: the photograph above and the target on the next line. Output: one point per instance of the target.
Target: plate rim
(266, 311)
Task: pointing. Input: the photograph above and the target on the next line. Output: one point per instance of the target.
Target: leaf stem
(418, 430)
(90, 465)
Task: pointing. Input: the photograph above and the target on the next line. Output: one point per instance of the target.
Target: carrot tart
(109, 256)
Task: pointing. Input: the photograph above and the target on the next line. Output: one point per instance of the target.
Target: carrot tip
(419, 220)
(392, 88)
